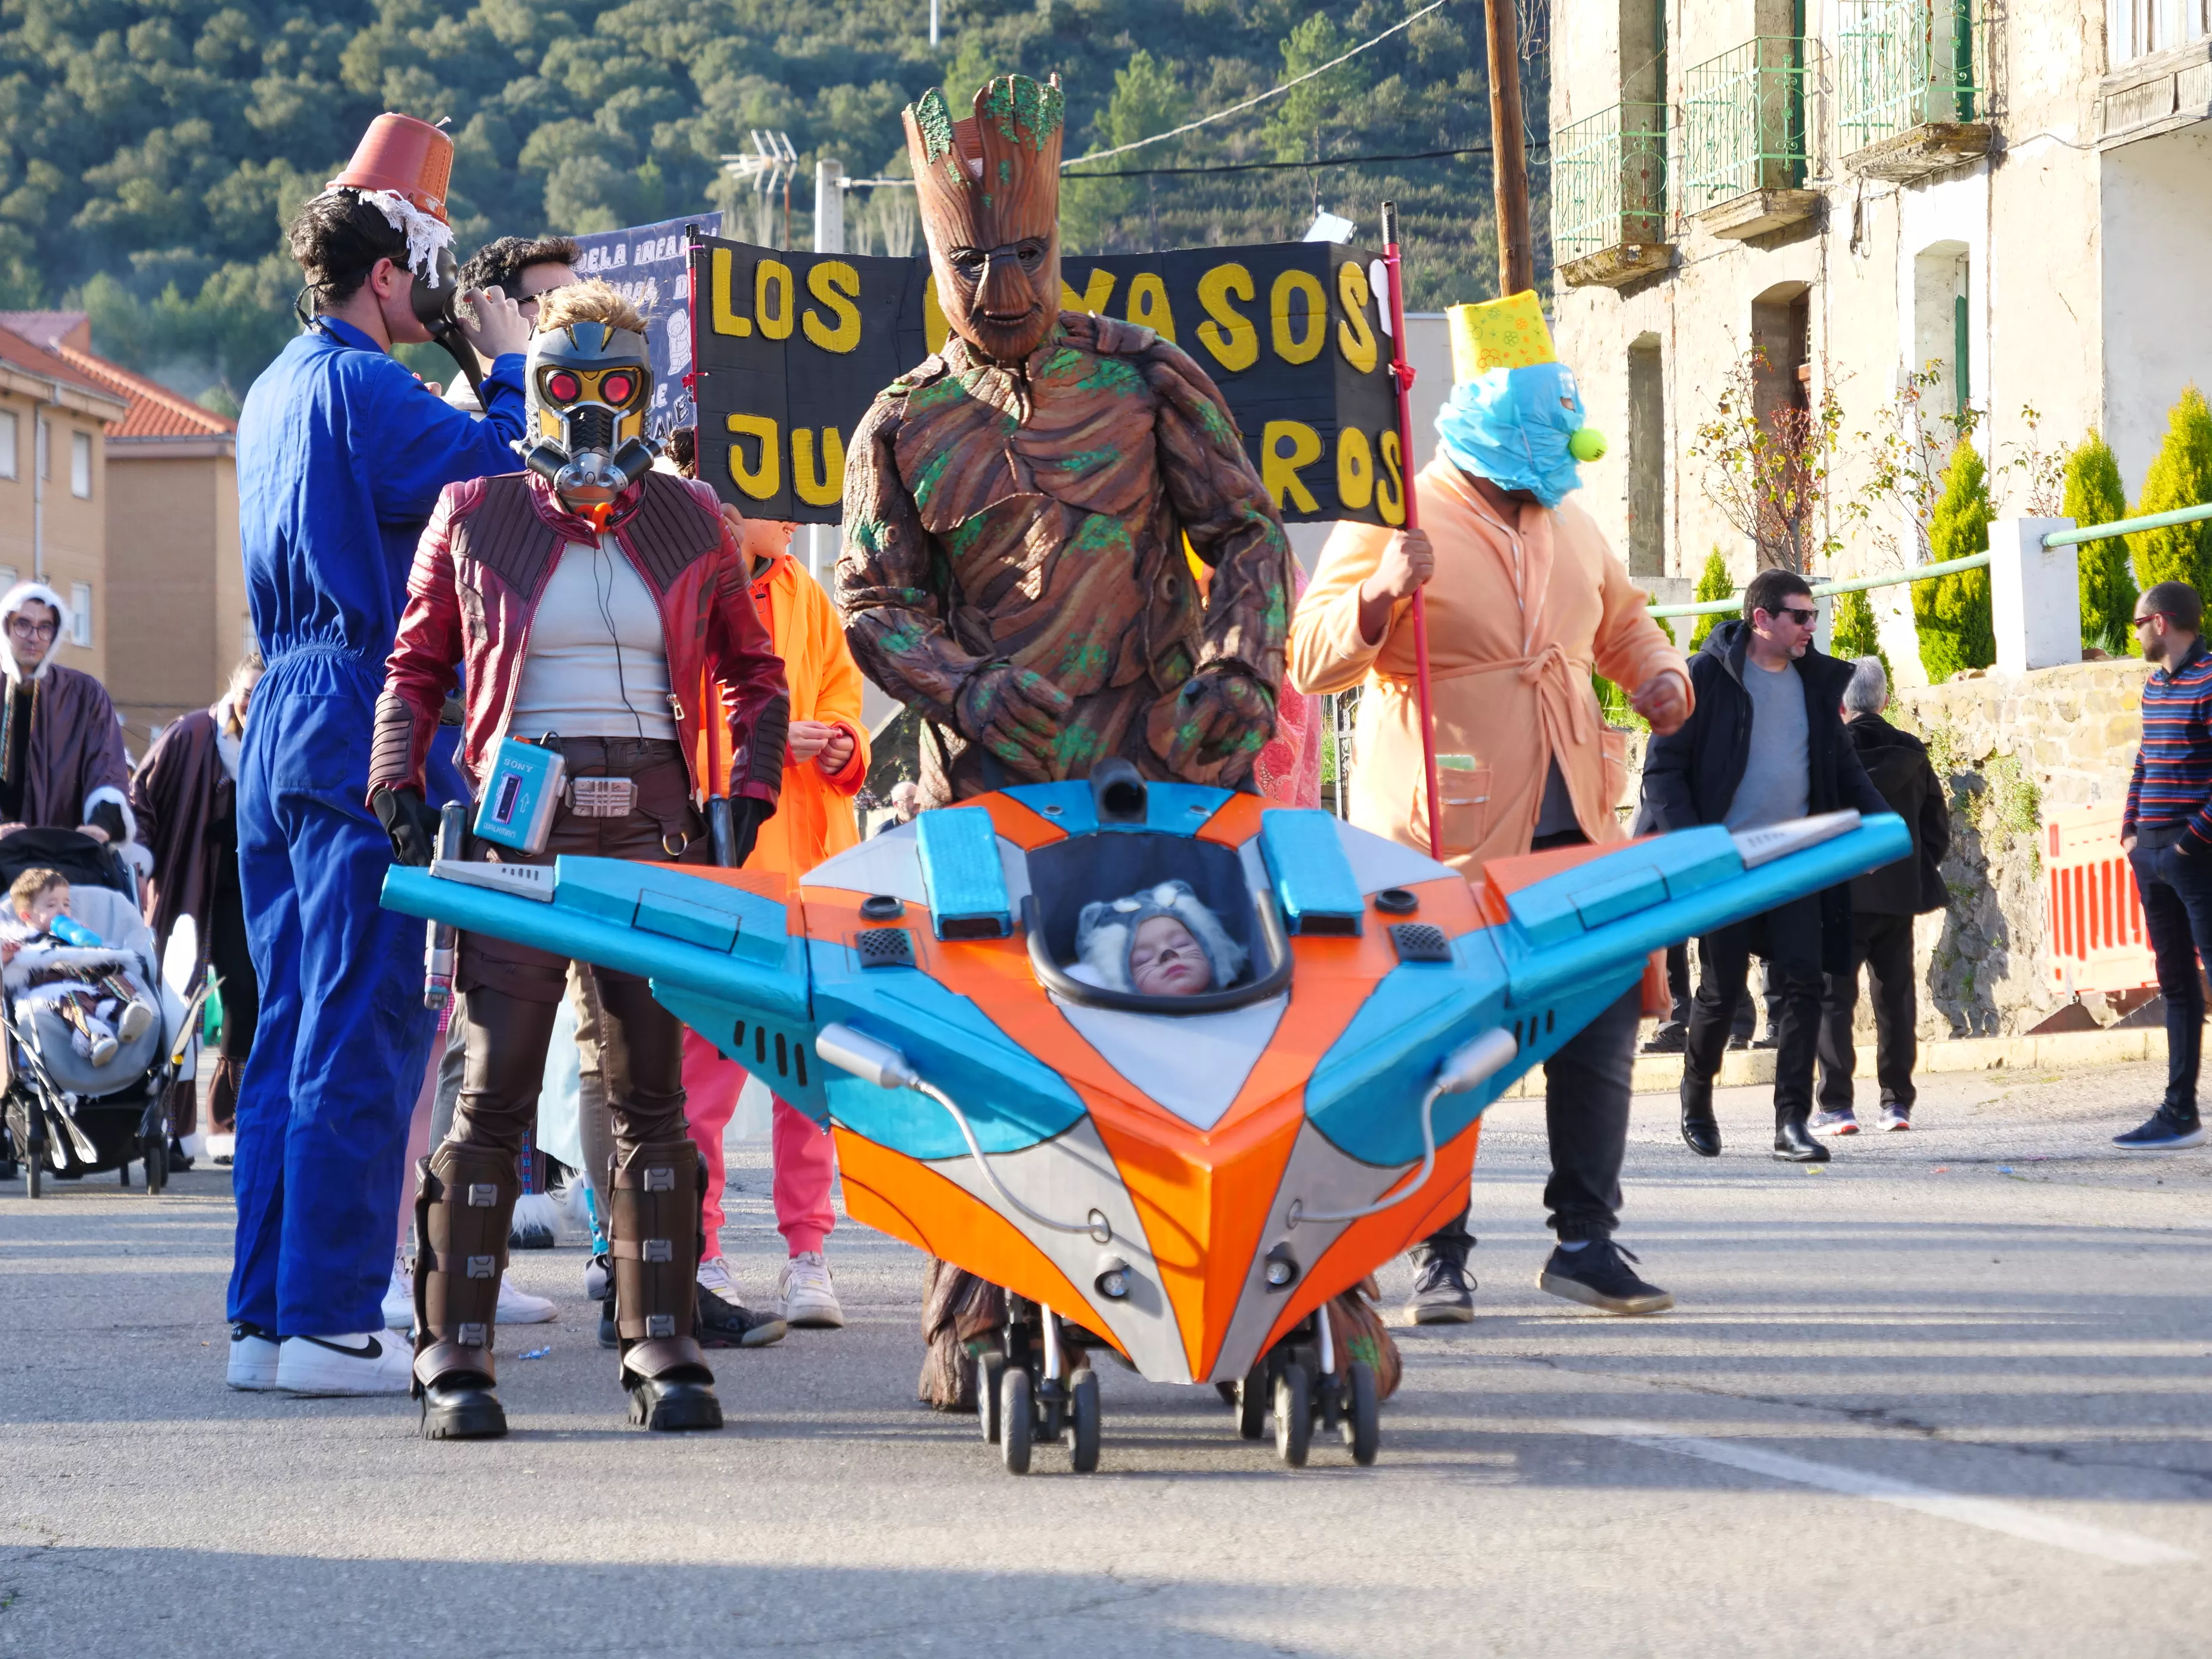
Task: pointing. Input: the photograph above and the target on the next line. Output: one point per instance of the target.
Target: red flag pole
(1401, 373)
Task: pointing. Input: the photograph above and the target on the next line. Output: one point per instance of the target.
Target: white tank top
(598, 663)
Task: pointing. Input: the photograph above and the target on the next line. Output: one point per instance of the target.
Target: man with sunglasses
(1767, 743)
(2167, 833)
(524, 268)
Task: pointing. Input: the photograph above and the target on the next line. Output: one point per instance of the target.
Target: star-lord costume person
(599, 607)
(1015, 514)
(1015, 507)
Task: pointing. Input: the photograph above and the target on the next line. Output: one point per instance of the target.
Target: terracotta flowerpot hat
(409, 158)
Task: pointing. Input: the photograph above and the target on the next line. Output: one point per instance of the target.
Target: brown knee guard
(462, 1209)
(652, 1236)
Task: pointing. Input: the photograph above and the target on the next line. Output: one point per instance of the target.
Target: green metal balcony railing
(1906, 64)
(1609, 182)
(1743, 122)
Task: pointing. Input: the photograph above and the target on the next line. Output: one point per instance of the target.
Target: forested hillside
(153, 149)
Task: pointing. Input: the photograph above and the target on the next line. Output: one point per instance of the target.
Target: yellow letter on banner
(1353, 337)
(763, 482)
(1095, 293)
(1228, 332)
(774, 325)
(1279, 469)
(1148, 305)
(836, 285)
(1355, 469)
(726, 321)
(827, 488)
(1290, 348)
(1390, 487)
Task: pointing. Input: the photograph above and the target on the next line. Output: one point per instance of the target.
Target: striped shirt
(2172, 782)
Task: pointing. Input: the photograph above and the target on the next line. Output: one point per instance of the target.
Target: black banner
(792, 346)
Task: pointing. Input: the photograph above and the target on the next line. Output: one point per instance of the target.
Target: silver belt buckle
(602, 797)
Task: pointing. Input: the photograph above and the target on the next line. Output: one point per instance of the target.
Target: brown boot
(652, 1237)
(462, 1208)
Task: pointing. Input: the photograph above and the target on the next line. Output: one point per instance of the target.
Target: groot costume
(1016, 508)
(1017, 511)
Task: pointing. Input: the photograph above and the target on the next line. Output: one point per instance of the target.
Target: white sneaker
(595, 1276)
(809, 1299)
(136, 1017)
(715, 1275)
(372, 1362)
(253, 1359)
(519, 1307)
(400, 1296)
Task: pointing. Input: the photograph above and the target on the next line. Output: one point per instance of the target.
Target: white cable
(1096, 1225)
(1234, 109)
(1300, 1212)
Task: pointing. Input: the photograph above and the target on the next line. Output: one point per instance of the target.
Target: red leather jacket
(479, 572)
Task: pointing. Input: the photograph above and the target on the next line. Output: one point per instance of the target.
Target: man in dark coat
(1766, 745)
(1883, 903)
(62, 764)
(185, 795)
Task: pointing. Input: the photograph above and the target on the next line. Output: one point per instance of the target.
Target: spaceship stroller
(1187, 1180)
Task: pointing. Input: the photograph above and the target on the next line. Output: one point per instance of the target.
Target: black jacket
(1897, 764)
(1690, 777)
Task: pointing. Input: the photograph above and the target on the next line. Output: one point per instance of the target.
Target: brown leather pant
(512, 991)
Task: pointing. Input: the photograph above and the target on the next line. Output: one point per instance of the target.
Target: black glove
(411, 820)
(109, 816)
(747, 814)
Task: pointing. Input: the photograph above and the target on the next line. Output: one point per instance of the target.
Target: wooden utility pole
(1509, 156)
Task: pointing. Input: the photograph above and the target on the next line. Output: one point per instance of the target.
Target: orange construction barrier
(2095, 919)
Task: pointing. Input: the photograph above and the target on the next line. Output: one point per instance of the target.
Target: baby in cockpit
(1158, 941)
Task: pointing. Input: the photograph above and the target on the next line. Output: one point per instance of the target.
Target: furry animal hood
(1107, 931)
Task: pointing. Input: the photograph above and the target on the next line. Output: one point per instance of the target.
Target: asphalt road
(1950, 1397)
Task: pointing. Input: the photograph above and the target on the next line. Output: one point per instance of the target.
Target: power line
(1276, 167)
(1272, 92)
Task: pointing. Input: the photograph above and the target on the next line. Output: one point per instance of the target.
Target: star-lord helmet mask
(989, 193)
(586, 389)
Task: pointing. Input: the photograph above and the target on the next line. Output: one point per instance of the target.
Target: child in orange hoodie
(825, 761)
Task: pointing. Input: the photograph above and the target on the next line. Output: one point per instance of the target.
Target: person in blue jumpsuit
(342, 453)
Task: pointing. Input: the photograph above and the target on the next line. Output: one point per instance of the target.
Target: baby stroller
(1188, 1181)
(64, 1117)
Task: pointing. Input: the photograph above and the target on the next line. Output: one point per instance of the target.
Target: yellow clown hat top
(1508, 333)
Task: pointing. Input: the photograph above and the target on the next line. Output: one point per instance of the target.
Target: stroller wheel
(1293, 1414)
(1083, 1411)
(990, 1368)
(157, 1162)
(1015, 1423)
(1228, 1393)
(123, 1173)
(34, 1174)
(1363, 1413)
(1251, 1402)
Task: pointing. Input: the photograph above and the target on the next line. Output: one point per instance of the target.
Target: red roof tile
(42, 339)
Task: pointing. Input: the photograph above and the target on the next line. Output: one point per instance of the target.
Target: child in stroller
(53, 960)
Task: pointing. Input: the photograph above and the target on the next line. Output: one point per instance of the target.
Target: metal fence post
(2035, 596)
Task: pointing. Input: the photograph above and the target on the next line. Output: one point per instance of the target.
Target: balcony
(1907, 103)
(1609, 196)
(1741, 164)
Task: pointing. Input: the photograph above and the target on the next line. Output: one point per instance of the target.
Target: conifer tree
(1952, 613)
(2095, 494)
(1853, 633)
(1714, 582)
(2180, 475)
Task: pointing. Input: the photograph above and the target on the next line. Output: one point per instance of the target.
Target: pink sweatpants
(805, 1158)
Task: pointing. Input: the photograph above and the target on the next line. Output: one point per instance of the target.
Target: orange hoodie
(814, 819)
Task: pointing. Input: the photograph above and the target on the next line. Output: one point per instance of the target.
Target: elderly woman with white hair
(1883, 904)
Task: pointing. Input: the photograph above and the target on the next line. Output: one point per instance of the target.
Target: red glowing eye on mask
(616, 389)
(563, 388)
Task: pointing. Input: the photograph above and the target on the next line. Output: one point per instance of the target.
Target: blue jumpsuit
(341, 454)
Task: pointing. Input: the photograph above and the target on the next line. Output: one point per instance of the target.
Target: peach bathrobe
(813, 820)
(1517, 618)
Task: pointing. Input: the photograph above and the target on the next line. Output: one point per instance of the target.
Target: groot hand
(1217, 716)
(1015, 713)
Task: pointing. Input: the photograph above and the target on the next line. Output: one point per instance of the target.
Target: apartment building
(2007, 203)
(171, 617)
(54, 487)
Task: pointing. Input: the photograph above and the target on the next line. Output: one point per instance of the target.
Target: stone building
(173, 618)
(2006, 201)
